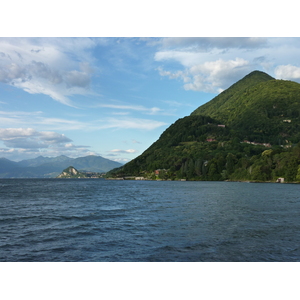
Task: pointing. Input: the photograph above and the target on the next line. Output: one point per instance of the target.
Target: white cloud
(24, 143)
(120, 160)
(57, 67)
(131, 123)
(211, 76)
(37, 120)
(213, 64)
(69, 145)
(131, 151)
(186, 58)
(207, 43)
(12, 133)
(140, 108)
(177, 74)
(58, 123)
(193, 51)
(288, 72)
(53, 137)
(29, 138)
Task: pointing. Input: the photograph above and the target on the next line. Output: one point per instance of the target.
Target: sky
(108, 78)
(114, 96)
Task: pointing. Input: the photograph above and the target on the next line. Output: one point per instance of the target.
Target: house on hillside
(255, 143)
(156, 172)
(267, 144)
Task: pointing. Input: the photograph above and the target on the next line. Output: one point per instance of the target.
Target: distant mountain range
(47, 167)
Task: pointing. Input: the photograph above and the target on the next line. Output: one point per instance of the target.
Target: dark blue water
(100, 220)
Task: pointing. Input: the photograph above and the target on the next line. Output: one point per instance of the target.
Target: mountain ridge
(48, 167)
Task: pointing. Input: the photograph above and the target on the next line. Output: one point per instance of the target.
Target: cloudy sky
(114, 96)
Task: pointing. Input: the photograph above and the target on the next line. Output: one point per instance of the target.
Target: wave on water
(90, 220)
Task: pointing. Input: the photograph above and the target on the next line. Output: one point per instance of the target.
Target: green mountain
(250, 131)
(259, 108)
(231, 97)
(47, 167)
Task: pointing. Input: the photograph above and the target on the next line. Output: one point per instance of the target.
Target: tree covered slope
(248, 132)
(268, 111)
(231, 96)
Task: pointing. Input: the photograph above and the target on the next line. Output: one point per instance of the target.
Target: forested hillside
(268, 111)
(250, 131)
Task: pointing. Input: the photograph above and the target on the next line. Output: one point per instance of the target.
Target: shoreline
(183, 180)
(148, 179)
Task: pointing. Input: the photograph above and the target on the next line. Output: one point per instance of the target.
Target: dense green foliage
(232, 94)
(213, 143)
(267, 112)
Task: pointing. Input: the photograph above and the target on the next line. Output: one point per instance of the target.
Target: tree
(298, 174)
(292, 169)
(198, 165)
(190, 169)
(230, 162)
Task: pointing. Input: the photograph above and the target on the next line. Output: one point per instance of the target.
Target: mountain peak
(257, 72)
(260, 74)
(238, 88)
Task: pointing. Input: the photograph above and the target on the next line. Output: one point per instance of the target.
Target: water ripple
(98, 220)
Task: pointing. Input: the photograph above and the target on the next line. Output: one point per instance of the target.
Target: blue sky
(115, 96)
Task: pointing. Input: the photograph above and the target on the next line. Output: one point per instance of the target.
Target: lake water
(101, 220)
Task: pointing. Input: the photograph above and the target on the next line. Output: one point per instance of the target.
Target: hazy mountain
(34, 162)
(6, 163)
(52, 166)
